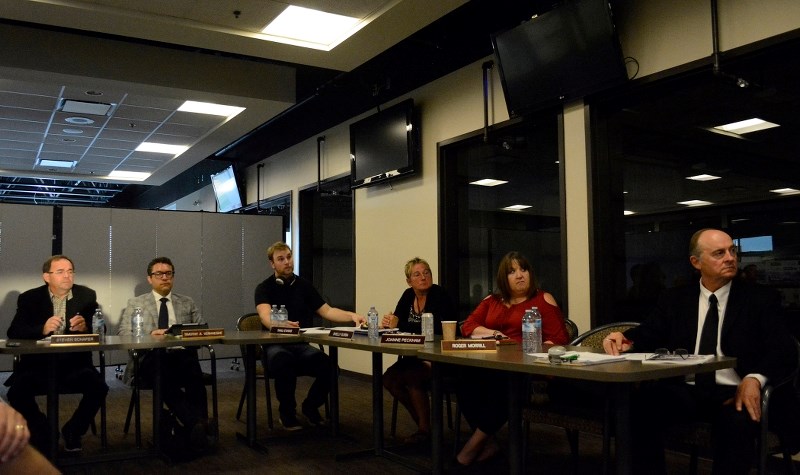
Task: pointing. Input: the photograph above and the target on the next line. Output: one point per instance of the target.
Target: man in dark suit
(59, 306)
(747, 324)
(183, 389)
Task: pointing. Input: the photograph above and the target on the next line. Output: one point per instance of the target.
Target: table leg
(333, 352)
(437, 436)
(516, 385)
(377, 402)
(157, 400)
(624, 438)
(52, 406)
(250, 383)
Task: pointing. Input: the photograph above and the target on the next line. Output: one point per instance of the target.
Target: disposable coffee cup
(449, 330)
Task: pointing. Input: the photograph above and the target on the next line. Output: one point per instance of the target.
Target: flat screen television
(226, 190)
(562, 54)
(384, 146)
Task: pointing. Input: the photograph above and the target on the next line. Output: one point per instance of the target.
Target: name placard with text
(469, 345)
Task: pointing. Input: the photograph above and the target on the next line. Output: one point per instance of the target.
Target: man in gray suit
(183, 390)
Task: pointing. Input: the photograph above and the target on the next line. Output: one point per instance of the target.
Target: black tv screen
(383, 146)
(226, 190)
(563, 54)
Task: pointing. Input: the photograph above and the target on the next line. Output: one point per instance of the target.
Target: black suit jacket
(753, 330)
(33, 309)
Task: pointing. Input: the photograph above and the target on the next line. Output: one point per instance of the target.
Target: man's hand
(51, 325)
(14, 433)
(158, 332)
(615, 343)
(748, 393)
(77, 323)
(358, 319)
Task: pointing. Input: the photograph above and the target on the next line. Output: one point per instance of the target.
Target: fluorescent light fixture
(516, 207)
(488, 182)
(311, 28)
(210, 108)
(130, 176)
(786, 191)
(161, 148)
(703, 177)
(56, 163)
(746, 126)
(628, 213)
(692, 203)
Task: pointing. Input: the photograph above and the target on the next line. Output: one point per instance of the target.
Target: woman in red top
(500, 314)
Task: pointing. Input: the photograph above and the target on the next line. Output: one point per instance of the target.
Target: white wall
(393, 225)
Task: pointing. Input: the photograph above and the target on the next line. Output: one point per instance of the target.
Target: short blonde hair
(278, 246)
(412, 262)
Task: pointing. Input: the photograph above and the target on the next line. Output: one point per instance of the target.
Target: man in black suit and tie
(718, 315)
(183, 389)
(60, 307)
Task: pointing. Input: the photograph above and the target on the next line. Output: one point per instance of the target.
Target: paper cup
(449, 330)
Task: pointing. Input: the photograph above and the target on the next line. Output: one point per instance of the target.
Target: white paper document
(581, 358)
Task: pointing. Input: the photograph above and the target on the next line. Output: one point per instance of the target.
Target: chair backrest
(249, 322)
(594, 337)
(572, 329)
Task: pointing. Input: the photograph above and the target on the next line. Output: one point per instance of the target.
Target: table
(620, 375)
(29, 347)
(363, 343)
(249, 340)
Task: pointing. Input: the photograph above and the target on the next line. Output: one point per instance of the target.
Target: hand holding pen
(616, 343)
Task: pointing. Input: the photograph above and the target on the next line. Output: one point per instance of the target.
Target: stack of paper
(581, 358)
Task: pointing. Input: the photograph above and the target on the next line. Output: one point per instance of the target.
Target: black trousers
(483, 397)
(286, 362)
(658, 405)
(182, 386)
(26, 385)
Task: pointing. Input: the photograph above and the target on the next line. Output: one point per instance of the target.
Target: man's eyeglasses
(417, 275)
(665, 354)
(61, 272)
(161, 275)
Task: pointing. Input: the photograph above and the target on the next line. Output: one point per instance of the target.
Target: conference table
(620, 376)
(249, 340)
(378, 349)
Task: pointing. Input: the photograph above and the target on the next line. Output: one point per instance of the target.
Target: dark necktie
(708, 340)
(163, 314)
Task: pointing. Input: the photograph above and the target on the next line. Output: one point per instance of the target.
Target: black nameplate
(341, 334)
(403, 339)
(285, 330)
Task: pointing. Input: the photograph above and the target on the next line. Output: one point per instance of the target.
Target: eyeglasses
(61, 272)
(162, 275)
(417, 275)
(665, 354)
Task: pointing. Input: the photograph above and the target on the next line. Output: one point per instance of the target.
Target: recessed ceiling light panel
(702, 177)
(79, 120)
(210, 108)
(311, 28)
(129, 176)
(161, 148)
(746, 126)
(488, 182)
(56, 163)
(693, 203)
(516, 207)
(786, 191)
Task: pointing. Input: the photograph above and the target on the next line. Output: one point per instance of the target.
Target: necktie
(163, 314)
(708, 340)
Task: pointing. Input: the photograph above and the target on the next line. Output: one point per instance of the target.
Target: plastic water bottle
(137, 322)
(284, 313)
(99, 324)
(273, 316)
(372, 324)
(528, 333)
(537, 330)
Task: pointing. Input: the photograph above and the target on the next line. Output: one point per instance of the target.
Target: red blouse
(493, 314)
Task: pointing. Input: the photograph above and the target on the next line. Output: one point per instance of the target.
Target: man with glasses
(286, 362)
(718, 315)
(59, 307)
(182, 386)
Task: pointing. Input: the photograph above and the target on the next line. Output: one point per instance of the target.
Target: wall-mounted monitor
(562, 54)
(226, 190)
(384, 146)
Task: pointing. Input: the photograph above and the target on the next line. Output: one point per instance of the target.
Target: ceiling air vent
(83, 107)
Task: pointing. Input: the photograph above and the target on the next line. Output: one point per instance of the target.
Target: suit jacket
(34, 308)
(753, 330)
(185, 312)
